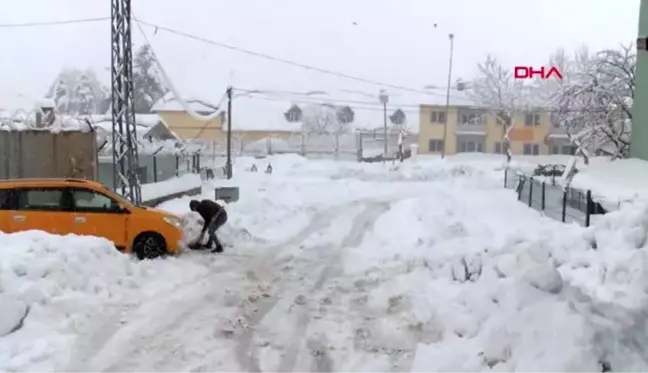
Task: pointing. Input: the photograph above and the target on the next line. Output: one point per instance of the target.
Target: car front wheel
(149, 245)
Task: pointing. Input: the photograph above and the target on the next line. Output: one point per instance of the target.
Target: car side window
(7, 200)
(42, 199)
(86, 200)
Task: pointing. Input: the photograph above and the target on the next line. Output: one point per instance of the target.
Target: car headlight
(173, 221)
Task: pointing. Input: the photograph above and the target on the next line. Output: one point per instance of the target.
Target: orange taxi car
(82, 207)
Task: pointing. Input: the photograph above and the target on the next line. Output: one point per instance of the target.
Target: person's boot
(218, 249)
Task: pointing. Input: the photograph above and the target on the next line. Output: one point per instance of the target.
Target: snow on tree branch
(496, 90)
(594, 104)
(322, 119)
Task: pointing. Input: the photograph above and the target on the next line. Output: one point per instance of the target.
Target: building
(252, 121)
(471, 129)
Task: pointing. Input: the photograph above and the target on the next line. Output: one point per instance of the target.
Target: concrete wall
(43, 154)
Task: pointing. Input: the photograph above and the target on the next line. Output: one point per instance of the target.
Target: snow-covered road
(341, 267)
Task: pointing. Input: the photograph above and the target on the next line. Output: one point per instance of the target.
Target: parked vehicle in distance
(88, 208)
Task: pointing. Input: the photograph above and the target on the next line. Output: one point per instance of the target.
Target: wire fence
(153, 168)
(555, 201)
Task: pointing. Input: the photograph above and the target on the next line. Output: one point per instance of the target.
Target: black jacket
(209, 209)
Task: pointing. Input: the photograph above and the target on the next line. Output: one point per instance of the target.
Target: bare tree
(496, 90)
(594, 105)
(319, 119)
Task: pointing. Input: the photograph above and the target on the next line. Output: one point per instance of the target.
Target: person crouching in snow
(214, 216)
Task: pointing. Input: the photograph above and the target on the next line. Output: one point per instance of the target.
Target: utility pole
(639, 135)
(229, 133)
(124, 136)
(384, 99)
(447, 107)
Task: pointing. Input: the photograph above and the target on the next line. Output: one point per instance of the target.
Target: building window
(470, 119)
(435, 145)
(532, 119)
(503, 118)
(531, 149)
(470, 147)
(555, 150)
(438, 117)
(501, 148)
(569, 149)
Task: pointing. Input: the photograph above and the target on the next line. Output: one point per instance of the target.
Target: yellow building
(474, 129)
(249, 123)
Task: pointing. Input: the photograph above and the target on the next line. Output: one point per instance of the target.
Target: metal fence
(555, 201)
(153, 168)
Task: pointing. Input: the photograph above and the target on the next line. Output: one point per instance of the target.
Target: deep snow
(426, 266)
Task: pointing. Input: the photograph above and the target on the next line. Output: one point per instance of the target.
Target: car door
(41, 208)
(96, 214)
(7, 203)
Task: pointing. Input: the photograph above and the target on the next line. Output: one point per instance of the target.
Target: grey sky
(394, 41)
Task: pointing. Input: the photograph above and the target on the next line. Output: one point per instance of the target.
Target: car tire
(149, 245)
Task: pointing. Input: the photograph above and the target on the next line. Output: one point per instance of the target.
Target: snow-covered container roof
(62, 123)
(145, 120)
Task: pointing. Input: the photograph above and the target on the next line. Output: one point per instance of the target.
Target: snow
(178, 184)
(143, 120)
(170, 103)
(339, 266)
(612, 182)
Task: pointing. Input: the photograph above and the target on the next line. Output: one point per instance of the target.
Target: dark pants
(216, 223)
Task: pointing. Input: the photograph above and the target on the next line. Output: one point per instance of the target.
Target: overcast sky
(392, 41)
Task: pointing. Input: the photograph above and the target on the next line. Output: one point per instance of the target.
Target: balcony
(557, 132)
(471, 122)
(471, 129)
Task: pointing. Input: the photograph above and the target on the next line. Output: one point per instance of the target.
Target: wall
(429, 130)
(188, 127)
(43, 154)
(519, 135)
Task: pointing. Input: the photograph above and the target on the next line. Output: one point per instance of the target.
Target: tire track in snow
(247, 352)
(91, 347)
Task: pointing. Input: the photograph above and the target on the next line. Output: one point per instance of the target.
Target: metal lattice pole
(124, 135)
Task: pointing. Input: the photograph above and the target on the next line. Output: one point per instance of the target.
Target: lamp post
(447, 107)
(384, 99)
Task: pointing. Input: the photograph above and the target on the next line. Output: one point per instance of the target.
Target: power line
(54, 23)
(408, 108)
(277, 59)
(307, 96)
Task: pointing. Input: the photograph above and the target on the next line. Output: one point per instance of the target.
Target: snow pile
(292, 165)
(53, 287)
(482, 295)
(151, 191)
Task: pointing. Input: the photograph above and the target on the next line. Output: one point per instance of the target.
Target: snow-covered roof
(169, 103)
(257, 114)
(145, 120)
(62, 123)
(264, 109)
(107, 127)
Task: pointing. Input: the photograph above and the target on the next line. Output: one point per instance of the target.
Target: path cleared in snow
(342, 267)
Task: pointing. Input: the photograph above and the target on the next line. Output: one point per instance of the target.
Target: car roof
(45, 182)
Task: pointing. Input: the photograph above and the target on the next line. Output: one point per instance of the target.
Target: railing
(555, 201)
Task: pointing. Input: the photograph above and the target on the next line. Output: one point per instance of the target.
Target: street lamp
(384, 99)
(447, 107)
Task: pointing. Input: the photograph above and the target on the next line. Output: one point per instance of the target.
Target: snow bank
(175, 185)
(483, 294)
(52, 287)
